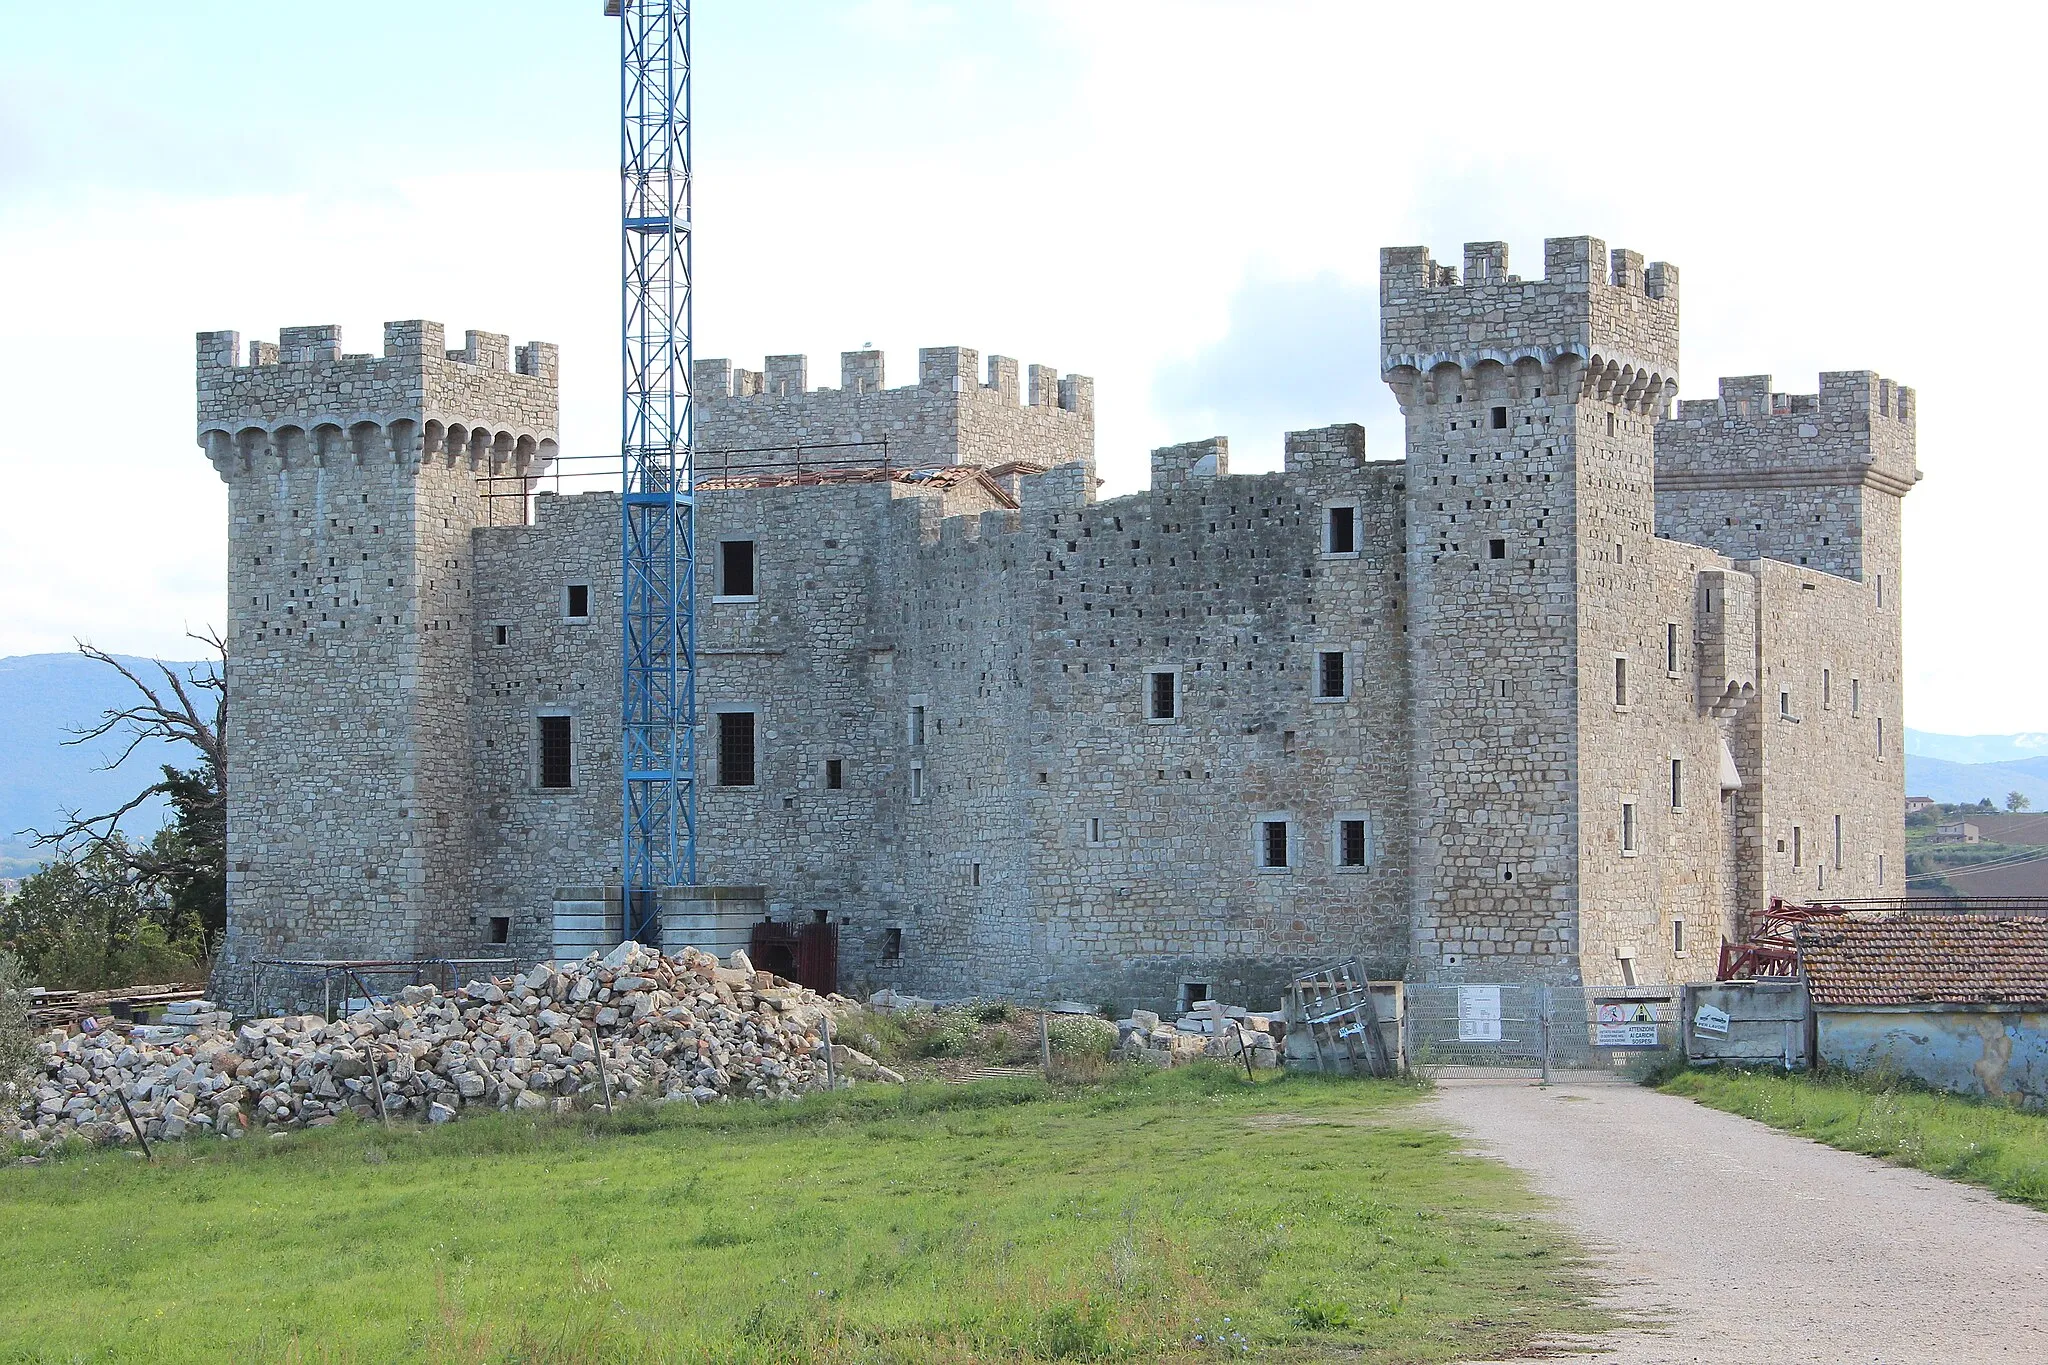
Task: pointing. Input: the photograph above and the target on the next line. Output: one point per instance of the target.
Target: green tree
(17, 1051)
(2016, 801)
(90, 921)
(184, 866)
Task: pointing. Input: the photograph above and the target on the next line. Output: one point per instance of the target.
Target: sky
(1185, 200)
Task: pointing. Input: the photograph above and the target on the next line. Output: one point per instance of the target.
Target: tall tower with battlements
(1530, 409)
(353, 489)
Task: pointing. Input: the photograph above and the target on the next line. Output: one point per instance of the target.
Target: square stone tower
(1530, 408)
(352, 494)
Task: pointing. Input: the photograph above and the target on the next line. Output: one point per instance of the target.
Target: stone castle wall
(352, 498)
(771, 419)
(969, 640)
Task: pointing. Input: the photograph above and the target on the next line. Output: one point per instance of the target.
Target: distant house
(1958, 832)
(1959, 1001)
(1916, 804)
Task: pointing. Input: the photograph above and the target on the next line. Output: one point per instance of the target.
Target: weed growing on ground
(1986, 1143)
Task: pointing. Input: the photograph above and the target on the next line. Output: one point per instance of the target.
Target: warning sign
(1625, 1023)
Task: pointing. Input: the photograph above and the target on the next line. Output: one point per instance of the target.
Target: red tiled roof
(1915, 958)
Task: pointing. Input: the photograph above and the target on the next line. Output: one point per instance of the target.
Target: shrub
(17, 1051)
(946, 1033)
(988, 1011)
(1080, 1035)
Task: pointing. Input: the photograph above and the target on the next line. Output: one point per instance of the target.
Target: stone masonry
(1564, 694)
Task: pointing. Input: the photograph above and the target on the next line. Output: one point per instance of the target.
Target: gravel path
(1738, 1243)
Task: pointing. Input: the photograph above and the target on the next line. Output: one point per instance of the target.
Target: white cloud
(1181, 192)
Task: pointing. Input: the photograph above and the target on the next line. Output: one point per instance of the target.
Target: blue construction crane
(658, 511)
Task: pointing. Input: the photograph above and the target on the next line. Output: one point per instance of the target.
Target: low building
(1959, 1001)
(1958, 832)
(1916, 804)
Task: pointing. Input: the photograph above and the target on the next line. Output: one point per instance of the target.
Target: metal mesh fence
(1536, 1027)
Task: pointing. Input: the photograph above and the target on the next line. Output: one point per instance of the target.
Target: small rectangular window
(736, 568)
(1678, 784)
(1798, 847)
(1496, 549)
(1351, 848)
(1855, 696)
(501, 929)
(1165, 695)
(1500, 419)
(1678, 938)
(557, 751)
(1784, 702)
(735, 748)
(1628, 827)
(1838, 843)
(1880, 869)
(1671, 647)
(1620, 681)
(974, 874)
(1827, 688)
(917, 781)
(1094, 829)
(892, 945)
(1273, 843)
(1342, 530)
(1880, 590)
(1880, 736)
(576, 602)
(1610, 424)
(835, 774)
(914, 730)
(503, 634)
(1330, 678)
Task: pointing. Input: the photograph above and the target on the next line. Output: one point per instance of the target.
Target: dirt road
(1749, 1245)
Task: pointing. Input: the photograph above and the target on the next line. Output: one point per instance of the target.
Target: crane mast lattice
(658, 490)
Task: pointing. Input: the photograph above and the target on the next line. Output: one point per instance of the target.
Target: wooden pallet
(1334, 1007)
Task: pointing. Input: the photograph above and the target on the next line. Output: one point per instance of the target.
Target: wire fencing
(1533, 1027)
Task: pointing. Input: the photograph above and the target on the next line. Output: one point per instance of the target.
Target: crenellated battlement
(1602, 321)
(941, 370)
(303, 400)
(960, 411)
(1842, 392)
(1857, 428)
(1570, 264)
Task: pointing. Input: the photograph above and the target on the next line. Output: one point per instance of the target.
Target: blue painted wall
(2002, 1056)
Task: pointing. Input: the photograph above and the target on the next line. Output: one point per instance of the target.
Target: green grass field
(2005, 1150)
(1180, 1215)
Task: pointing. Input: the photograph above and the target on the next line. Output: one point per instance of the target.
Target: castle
(1563, 694)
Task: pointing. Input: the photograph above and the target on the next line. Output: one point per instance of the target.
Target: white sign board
(1710, 1020)
(1624, 1023)
(1478, 1014)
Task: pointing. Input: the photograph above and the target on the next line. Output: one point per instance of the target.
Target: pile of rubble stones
(1211, 1029)
(666, 1028)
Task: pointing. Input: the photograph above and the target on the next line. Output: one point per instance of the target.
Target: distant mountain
(1946, 781)
(1975, 748)
(43, 697)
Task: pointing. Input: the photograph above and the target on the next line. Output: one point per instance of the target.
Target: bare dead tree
(183, 709)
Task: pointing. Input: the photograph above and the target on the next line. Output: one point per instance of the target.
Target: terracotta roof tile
(1916, 958)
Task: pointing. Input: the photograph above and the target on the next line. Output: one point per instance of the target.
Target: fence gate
(1530, 1027)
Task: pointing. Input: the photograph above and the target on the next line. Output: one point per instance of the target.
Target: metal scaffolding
(658, 492)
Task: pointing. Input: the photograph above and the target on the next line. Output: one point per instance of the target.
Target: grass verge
(1150, 1216)
(2003, 1149)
